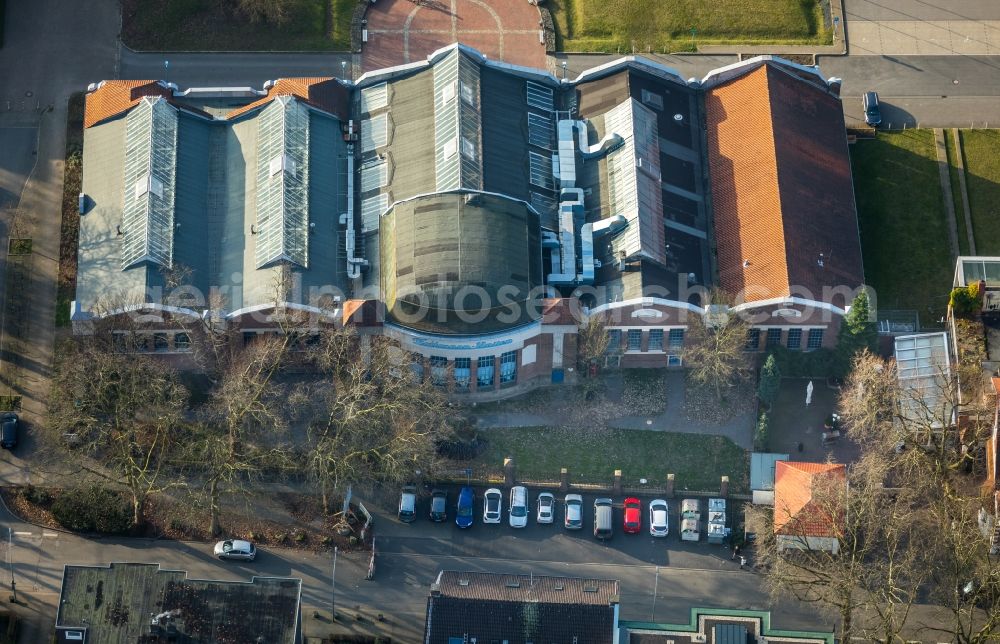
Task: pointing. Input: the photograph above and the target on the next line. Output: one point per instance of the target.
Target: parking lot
(546, 542)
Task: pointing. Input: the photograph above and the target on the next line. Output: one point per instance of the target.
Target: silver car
(492, 502)
(235, 549)
(573, 517)
(546, 508)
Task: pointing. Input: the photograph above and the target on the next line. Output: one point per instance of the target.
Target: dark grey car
(873, 114)
(439, 506)
(8, 430)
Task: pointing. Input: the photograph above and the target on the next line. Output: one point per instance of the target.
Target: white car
(517, 514)
(659, 518)
(492, 502)
(573, 519)
(546, 508)
(235, 549)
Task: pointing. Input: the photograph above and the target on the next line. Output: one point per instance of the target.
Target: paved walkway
(924, 38)
(404, 31)
(945, 176)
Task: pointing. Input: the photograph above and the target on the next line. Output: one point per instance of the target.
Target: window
(540, 96)
(374, 133)
(450, 147)
(753, 339)
(676, 338)
(463, 373)
(484, 371)
(656, 339)
(508, 367)
(815, 339)
(634, 339)
(467, 95)
(448, 92)
(673, 361)
(182, 342)
(654, 101)
(614, 340)
(417, 368)
(439, 370)
(73, 635)
(468, 149)
(794, 340)
(160, 342)
(540, 170)
(540, 130)
(773, 337)
(248, 337)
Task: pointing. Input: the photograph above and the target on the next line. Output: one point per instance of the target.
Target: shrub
(93, 509)
(965, 301)
(770, 381)
(821, 363)
(299, 537)
(38, 496)
(760, 435)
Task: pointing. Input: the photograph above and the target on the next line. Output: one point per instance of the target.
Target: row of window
(675, 340)
(793, 339)
(462, 371)
(160, 341)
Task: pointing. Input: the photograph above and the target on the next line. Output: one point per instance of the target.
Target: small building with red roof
(809, 505)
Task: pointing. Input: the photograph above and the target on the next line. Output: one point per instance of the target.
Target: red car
(633, 515)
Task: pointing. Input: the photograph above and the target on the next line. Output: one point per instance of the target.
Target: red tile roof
(782, 192)
(115, 97)
(327, 94)
(797, 509)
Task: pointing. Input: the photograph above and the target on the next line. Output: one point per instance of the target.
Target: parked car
(632, 519)
(573, 513)
(546, 508)
(236, 549)
(439, 506)
(873, 114)
(8, 430)
(517, 514)
(604, 527)
(492, 503)
(659, 518)
(464, 514)
(407, 504)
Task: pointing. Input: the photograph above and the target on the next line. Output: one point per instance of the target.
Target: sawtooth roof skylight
(150, 161)
(283, 183)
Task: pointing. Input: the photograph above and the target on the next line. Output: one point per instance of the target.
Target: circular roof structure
(461, 263)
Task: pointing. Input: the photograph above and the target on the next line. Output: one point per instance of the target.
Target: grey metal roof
(438, 248)
(457, 150)
(118, 604)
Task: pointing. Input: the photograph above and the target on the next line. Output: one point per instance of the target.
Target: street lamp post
(333, 588)
(836, 21)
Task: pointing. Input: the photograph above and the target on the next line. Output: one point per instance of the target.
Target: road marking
(383, 554)
(24, 534)
(50, 534)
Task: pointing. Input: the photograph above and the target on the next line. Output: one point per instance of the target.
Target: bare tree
(373, 422)
(592, 339)
(717, 356)
(122, 411)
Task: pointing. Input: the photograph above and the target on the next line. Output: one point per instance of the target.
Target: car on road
(517, 513)
(8, 430)
(236, 549)
(464, 513)
(492, 504)
(407, 504)
(873, 113)
(632, 519)
(546, 508)
(573, 512)
(439, 506)
(659, 518)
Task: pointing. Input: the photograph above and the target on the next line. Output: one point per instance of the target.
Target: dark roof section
(782, 189)
(437, 247)
(520, 608)
(505, 133)
(118, 604)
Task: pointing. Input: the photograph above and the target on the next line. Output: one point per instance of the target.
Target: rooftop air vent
(679, 118)
(590, 589)
(513, 584)
(463, 582)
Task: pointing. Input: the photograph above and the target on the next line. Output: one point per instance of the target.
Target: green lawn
(982, 176)
(904, 234)
(697, 461)
(665, 25)
(956, 193)
(202, 25)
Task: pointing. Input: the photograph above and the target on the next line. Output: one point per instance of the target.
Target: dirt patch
(166, 519)
(702, 405)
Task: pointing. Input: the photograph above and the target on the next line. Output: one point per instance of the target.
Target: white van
(517, 515)
(603, 519)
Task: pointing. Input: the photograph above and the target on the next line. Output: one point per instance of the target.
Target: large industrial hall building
(477, 211)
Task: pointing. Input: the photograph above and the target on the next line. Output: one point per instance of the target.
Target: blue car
(463, 513)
